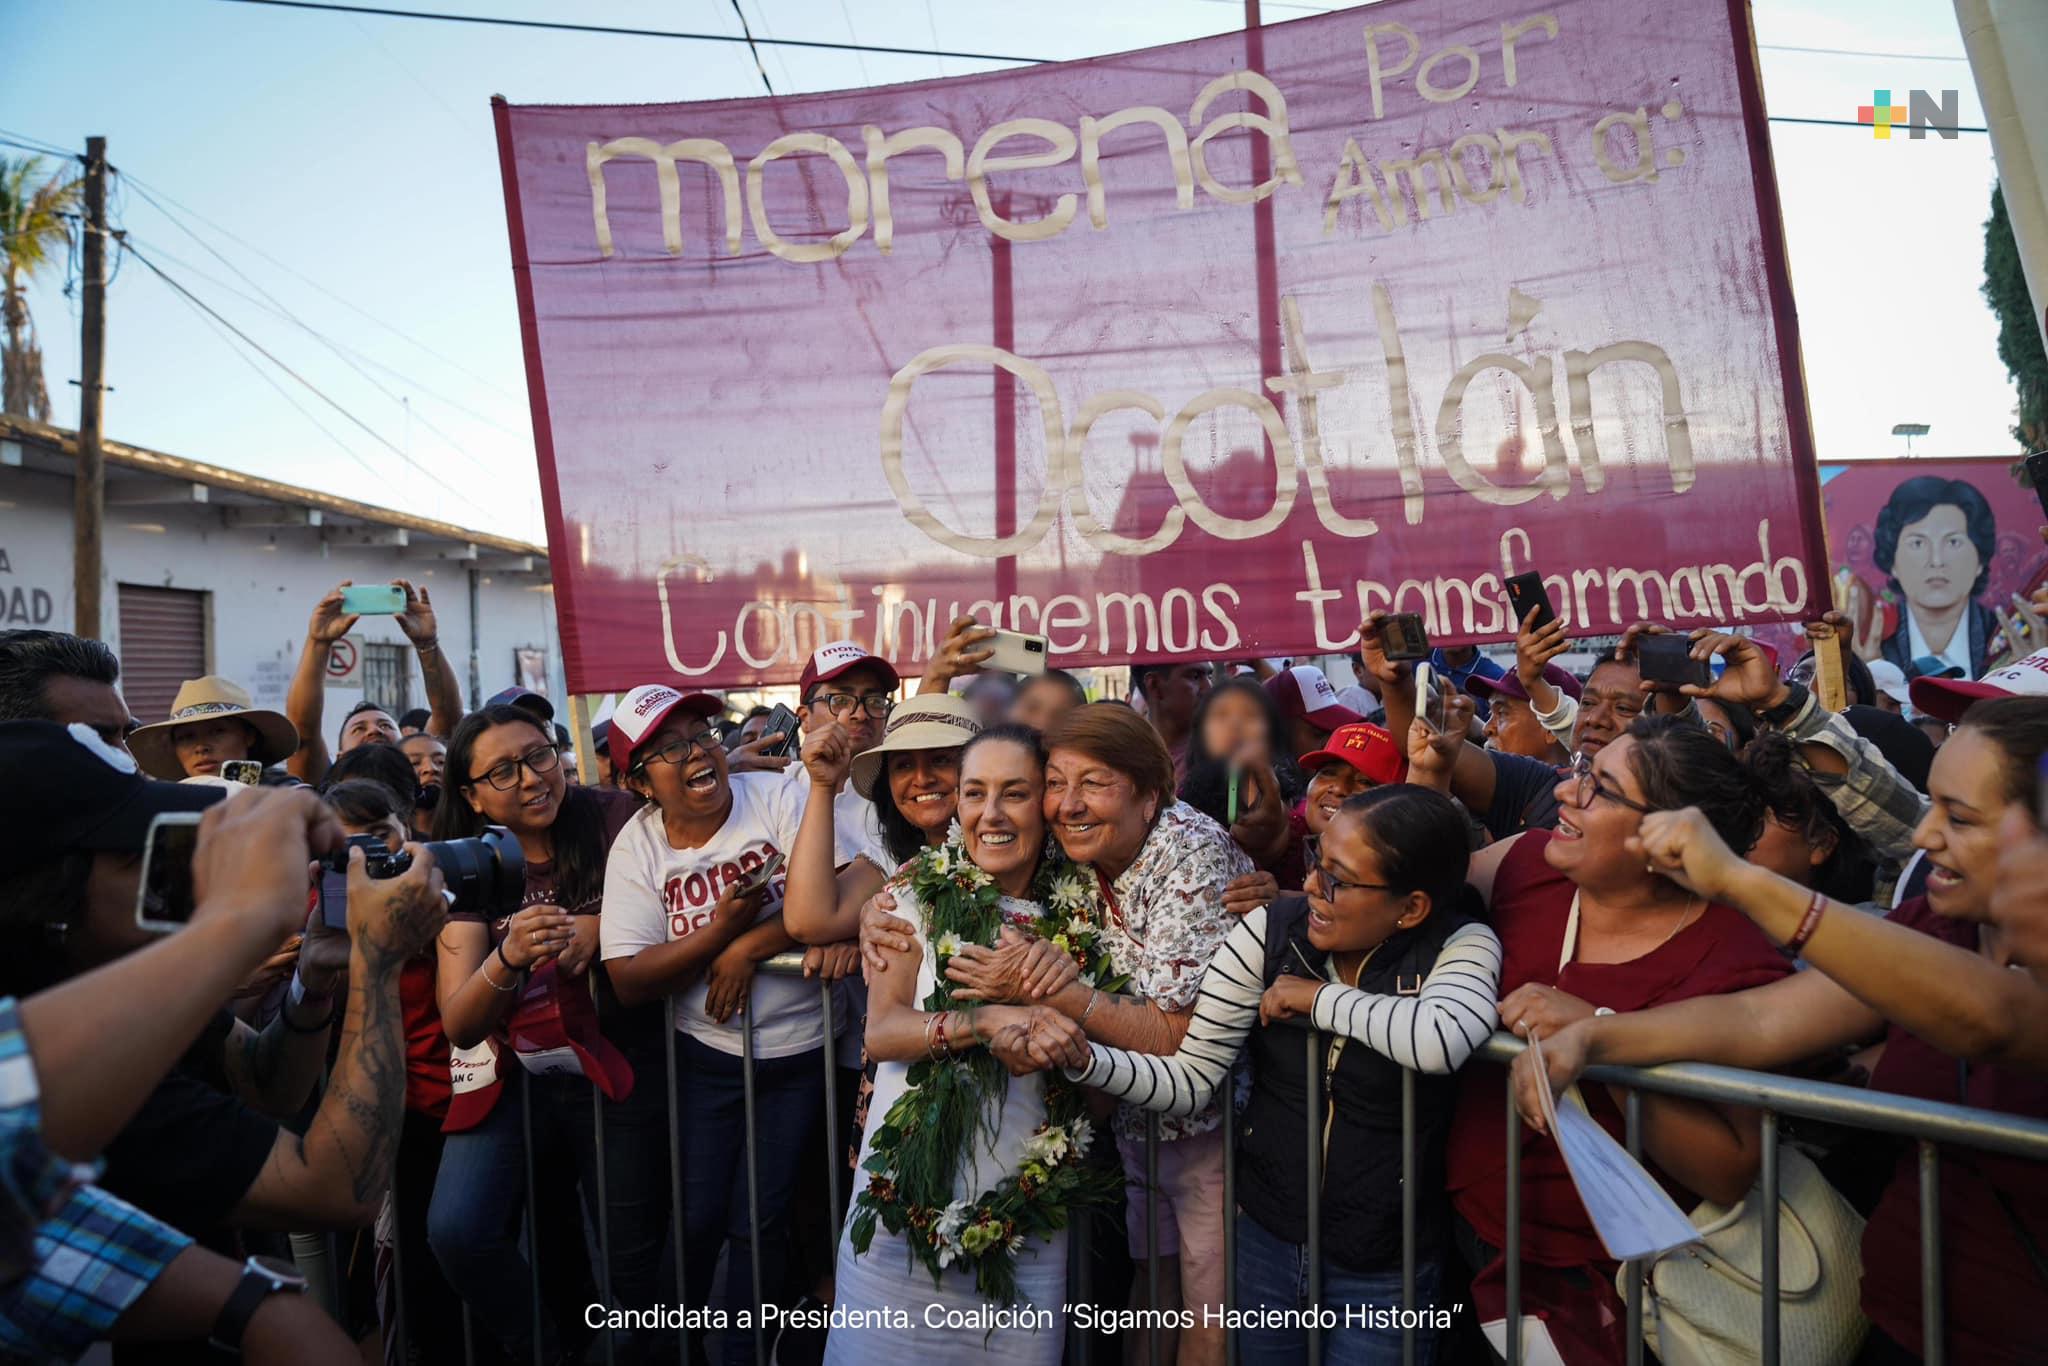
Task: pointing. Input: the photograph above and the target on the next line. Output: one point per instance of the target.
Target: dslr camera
(484, 875)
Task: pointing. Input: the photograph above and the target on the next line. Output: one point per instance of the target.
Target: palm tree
(34, 223)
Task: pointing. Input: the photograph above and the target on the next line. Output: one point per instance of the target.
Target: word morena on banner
(1064, 346)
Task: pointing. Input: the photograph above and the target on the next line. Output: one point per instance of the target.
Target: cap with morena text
(837, 658)
(1946, 699)
(1303, 693)
(641, 712)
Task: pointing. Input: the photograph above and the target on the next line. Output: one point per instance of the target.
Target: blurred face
(1966, 800)
(1718, 724)
(368, 728)
(429, 758)
(1589, 845)
(388, 830)
(681, 768)
(1234, 722)
(1173, 695)
(847, 699)
(202, 746)
(925, 785)
(991, 699)
(71, 700)
(1785, 850)
(1096, 811)
(754, 728)
(1512, 728)
(1040, 702)
(1332, 783)
(1002, 812)
(1936, 563)
(1610, 704)
(1349, 905)
(510, 753)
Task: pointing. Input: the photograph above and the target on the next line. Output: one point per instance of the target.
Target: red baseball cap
(1303, 694)
(1366, 747)
(641, 712)
(837, 658)
(1946, 699)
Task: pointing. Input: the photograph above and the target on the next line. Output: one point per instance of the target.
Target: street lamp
(1909, 430)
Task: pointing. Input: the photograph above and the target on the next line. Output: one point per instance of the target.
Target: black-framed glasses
(678, 747)
(1334, 886)
(843, 704)
(1590, 785)
(505, 776)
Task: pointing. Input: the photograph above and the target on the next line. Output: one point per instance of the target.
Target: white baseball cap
(1946, 699)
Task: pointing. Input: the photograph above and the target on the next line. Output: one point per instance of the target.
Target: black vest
(1360, 1111)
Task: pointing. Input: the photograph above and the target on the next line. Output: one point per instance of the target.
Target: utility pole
(88, 509)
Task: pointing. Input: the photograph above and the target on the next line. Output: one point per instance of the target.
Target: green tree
(35, 212)
(2019, 334)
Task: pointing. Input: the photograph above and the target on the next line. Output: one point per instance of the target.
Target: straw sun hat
(210, 699)
(928, 721)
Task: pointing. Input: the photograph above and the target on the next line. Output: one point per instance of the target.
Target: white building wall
(263, 584)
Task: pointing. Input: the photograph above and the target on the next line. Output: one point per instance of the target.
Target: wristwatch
(262, 1277)
(1782, 715)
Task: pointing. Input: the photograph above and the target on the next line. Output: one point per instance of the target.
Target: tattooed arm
(337, 1172)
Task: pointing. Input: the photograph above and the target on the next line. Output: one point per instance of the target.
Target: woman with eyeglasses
(504, 769)
(1587, 925)
(693, 906)
(1387, 955)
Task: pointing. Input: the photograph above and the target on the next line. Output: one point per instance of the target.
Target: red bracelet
(944, 1046)
(1808, 923)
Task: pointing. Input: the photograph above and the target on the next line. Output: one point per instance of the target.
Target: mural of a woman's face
(1936, 563)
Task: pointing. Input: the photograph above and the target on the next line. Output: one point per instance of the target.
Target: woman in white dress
(924, 1048)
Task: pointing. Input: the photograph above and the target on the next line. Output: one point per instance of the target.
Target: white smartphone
(1015, 653)
(1429, 698)
(164, 897)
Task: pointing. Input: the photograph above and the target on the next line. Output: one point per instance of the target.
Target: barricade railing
(1930, 1124)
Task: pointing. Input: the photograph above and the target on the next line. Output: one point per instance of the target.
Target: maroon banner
(1196, 351)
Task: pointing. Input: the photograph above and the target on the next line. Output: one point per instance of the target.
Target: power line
(1855, 52)
(1857, 123)
(314, 389)
(560, 27)
(748, 34)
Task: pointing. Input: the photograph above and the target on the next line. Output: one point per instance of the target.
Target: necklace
(1683, 921)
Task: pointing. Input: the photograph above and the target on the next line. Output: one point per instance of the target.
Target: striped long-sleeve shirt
(1434, 1031)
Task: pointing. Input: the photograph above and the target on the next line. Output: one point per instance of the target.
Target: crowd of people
(538, 1083)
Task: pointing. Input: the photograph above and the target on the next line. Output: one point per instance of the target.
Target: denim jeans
(1272, 1274)
(789, 1100)
(475, 1222)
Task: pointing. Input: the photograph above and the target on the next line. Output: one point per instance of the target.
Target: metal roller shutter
(163, 643)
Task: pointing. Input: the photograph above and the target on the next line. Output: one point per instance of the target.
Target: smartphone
(372, 600)
(1668, 659)
(782, 726)
(1430, 702)
(1015, 653)
(762, 876)
(164, 899)
(1230, 800)
(2037, 474)
(245, 771)
(1403, 636)
(1527, 594)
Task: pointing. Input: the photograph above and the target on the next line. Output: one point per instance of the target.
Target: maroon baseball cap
(837, 658)
(1946, 699)
(641, 712)
(1303, 693)
(1366, 747)
(1509, 685)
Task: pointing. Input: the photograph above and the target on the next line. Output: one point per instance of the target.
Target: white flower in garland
(1080, 931)
(1047, 1146)
(1069, 895)
(948, 945)
(1082, 1133)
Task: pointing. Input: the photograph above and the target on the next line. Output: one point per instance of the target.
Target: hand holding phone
(1403, 637)
(1668, 659)
(1430, 698)
(1017, 653)
(372, 600)
(1527, 594)
(759, 879)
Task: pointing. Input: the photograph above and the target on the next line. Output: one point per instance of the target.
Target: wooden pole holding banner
(580, 736)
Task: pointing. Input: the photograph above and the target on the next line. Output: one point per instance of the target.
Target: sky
(329, 185)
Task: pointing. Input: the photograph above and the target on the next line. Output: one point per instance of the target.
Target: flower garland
(916, 1151)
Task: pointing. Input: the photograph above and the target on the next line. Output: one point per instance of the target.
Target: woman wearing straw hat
(212, 722)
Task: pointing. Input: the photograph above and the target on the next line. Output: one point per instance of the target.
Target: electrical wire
(312, 388)
(748, 33)
(561, 27)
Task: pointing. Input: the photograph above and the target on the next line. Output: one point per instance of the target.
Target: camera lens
(485, 876)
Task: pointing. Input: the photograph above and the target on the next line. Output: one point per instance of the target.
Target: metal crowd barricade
(1930, 1124)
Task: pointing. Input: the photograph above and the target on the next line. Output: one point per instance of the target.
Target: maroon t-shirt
(1996, 1299)
(1719, 952)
